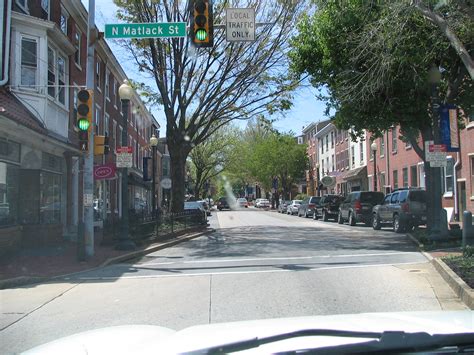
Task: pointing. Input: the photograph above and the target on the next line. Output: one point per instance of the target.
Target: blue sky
(306, 108)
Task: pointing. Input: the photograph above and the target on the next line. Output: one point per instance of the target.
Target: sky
(306, 108)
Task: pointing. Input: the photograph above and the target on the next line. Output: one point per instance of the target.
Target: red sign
(124, 149)
(438, 148)
(104, 172)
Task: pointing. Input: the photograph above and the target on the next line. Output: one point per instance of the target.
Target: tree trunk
(178, 172)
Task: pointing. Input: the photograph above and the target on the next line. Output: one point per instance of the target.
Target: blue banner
(449, 130)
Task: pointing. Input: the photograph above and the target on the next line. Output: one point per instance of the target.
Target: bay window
(29, 62)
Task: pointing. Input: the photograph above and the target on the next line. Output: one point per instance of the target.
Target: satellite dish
(328, 181)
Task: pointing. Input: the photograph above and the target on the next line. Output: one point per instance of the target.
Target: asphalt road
(256, 265)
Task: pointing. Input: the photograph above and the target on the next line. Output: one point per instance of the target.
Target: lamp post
(435, 230)
(125, 243)
(373, 147)
(153, 144)
(318, 179)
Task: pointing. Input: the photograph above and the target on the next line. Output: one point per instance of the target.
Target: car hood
(149, 339)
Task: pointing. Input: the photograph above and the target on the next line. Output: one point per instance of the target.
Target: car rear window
(402, 197)
(315, 199)
(371, 197)
(332, 198)
(418, 196)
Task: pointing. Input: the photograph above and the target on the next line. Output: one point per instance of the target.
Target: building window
(332, 163)
(382, 181)
(405, 177)
(115, 134)
(353, 159)
(394, 140)
(23, 4)
(107, 87)
(382, 145)
(370, 182)
(332, 139)
(361, 147)
(119, 138)
(63, 20)
(97, 74)
(51, 73)
(413, 176)
(117, 97)
(9, 192)
(29, 64)
(407, 144)
(50, 198)
(472, 175)
(45, 8)
(61, 68)
(97, 122)
(106, 125)
(77, 45)
(448, 175)
(421, 168)
(395, 179)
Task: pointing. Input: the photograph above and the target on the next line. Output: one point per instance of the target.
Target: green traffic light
(83, 124)
(201, 34)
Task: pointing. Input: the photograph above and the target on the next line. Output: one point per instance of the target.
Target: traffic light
(84, 118)
(101, 145)
(202, 31)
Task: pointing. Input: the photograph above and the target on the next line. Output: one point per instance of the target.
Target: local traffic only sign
(145, 30)
(240, 25)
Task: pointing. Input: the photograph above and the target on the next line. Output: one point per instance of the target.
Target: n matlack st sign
(145, 30)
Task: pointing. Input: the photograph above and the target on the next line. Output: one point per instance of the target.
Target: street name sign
(124, 157)
(240, 25)
(145, 30)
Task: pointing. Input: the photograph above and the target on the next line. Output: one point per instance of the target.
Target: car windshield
(172, 164)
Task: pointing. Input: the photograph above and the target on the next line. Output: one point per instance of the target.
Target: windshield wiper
(385, 341)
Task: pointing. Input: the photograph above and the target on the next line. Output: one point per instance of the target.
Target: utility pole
(89, 155)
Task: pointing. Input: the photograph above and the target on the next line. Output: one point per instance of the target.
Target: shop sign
(104, 172)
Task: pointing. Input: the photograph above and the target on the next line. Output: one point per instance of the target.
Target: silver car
(293, 207)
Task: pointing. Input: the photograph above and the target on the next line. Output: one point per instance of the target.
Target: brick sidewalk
(53, 261)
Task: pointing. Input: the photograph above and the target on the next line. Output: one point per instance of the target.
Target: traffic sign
(88, 200)
(240, 25)
(145, 30)
(166, 183)
(435, 154)
(124, 157)
(124, 150)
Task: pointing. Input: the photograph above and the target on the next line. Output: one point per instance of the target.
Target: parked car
(404, 209)
(328, 207)
(262, 203)
(357, 207)
(292, 208)
(283, 206)
(222, 204)
(307, 206)
(194, 206)
(242, 202)
(206, 207)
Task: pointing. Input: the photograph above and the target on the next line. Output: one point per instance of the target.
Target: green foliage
(468, 251)
(300, 196)
(374, 58)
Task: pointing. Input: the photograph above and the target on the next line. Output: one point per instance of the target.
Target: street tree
(376, 60)
(201, 90)
(212, 157)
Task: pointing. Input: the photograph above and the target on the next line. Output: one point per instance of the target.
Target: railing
(143, 226)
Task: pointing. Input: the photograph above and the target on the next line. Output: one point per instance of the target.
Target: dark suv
(222, 204)
(404, 209)
(306, 209)
(357, 207)
(328, 207)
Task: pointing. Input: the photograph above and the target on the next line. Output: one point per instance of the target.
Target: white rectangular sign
(124, 160)
(435, 158)
(240, 25)
(88, 200)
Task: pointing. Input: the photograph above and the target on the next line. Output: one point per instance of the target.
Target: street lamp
(319, 182)
(373, 147)
(125, 243)
(435, 230)
(153, 144)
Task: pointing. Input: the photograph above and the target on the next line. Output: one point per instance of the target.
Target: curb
(464, 292)
(460, 288)
(30, 280)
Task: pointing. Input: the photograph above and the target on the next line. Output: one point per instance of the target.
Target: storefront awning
(355, 173)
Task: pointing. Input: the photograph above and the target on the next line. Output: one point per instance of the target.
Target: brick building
(40, 172)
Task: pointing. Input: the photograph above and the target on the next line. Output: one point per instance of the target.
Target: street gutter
(29, 280)
(460, 288)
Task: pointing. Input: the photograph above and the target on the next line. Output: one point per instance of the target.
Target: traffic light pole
(88, 180)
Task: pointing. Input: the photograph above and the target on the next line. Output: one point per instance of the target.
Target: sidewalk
(39, 264)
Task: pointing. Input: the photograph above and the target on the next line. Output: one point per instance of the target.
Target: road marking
(243, 272)
(276, 258)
